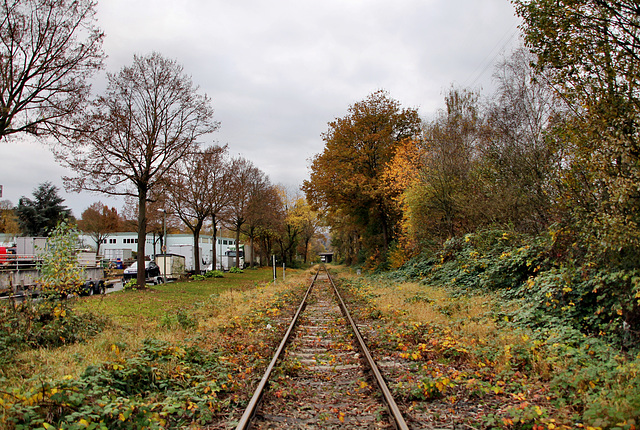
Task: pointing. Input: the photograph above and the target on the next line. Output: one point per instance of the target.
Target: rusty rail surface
(392, 407)
(250, 411)
(394, 412)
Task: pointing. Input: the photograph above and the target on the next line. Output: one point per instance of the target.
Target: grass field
(174, 312)
(134, 307)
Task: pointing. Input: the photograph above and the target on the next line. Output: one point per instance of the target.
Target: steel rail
(250, 411)
(394, 411)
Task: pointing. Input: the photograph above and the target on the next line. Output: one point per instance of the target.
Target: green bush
(236, 270)
(131, 284)
(550, 283)
(214, 274)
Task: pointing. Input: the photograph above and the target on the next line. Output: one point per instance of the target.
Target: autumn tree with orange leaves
(347, 177)
(98, 221)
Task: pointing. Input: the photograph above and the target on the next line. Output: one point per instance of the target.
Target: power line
(490, 58)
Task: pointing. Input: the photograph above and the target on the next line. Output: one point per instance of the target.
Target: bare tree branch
(48, 50)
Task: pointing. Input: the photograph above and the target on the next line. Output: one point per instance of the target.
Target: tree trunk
(283, 251)
(238, 247)
(251, 251)
(196, 249)
(385, 228)
(214, 246)
(142, 236)
(98, 243)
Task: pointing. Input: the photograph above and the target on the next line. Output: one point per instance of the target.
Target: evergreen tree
(38, 217)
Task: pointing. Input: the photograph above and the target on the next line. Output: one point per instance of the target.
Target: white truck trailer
(188, 252)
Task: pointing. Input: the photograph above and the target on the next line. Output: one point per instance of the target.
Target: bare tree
(520, 167)
(246, 181)
(289, 227)
(219, 194)
(190, 191)
(48, 50)
(263, 210)
(442, 201)
(149, 118)
(270, 226)
(157, 219)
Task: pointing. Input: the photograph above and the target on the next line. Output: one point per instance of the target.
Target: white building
(129, 241)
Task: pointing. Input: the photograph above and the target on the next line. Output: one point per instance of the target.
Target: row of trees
(208, 188)
(139, 139)
(198, 201)
(392, 185)
(555, 145)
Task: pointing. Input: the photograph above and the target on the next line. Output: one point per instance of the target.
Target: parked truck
(227, 260)
(31, 246)
(19, 270)
(187, 251)
(231, 255)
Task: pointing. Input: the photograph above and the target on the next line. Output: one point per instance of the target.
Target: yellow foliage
(399, 177)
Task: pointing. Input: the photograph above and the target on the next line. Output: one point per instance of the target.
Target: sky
(277, 72)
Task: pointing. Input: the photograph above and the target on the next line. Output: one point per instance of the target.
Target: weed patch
(43, 324)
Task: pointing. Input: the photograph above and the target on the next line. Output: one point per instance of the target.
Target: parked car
(151, 270)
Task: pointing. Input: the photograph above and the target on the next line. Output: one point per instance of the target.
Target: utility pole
(274, 269)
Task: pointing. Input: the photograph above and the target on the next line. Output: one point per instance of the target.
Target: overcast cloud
(278, 71)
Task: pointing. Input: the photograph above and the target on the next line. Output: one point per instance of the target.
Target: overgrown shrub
(60, 271)
(45, 323)
(553, 285)
(162, 386)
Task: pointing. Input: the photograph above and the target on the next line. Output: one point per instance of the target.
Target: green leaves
(162, 383)
(60, 272)
(596, 70)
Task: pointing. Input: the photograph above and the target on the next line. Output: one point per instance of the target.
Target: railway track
(322, 374)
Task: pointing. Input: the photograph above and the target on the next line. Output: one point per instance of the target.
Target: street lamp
(164, 245)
